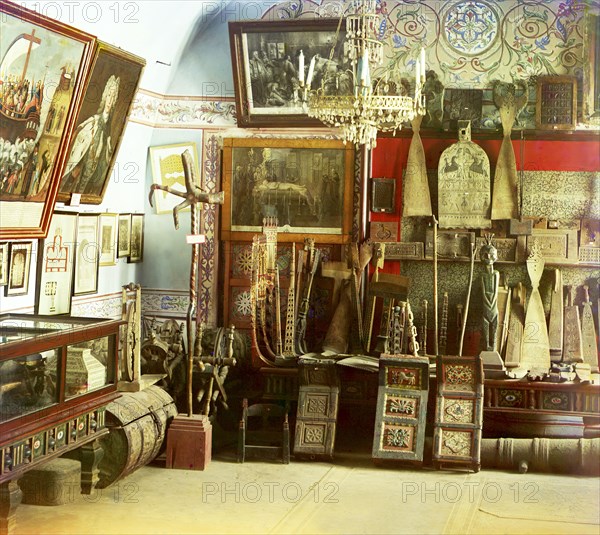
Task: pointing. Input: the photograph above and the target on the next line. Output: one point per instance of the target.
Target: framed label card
(107, 239)
(56, 266)
(20, 260)
(86, 255)
(124, 244)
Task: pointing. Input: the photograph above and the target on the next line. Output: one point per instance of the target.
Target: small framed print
(124, 236)
(56, 266)
(3, 263)
(86, 255)
(107, 239)
(18, 273)
(136, 250)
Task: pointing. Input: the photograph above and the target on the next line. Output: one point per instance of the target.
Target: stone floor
(347, 496)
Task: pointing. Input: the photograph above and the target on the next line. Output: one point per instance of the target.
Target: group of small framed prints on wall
(69, 257)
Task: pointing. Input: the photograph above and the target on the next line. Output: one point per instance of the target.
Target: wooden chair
(264, 432)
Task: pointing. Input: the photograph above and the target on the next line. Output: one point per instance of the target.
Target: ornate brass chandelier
(380, 104)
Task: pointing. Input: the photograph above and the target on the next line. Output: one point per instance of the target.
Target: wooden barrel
(138, 423)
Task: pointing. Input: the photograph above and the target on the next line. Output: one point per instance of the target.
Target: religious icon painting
(56, 266)
(108, 98)
(43, 66)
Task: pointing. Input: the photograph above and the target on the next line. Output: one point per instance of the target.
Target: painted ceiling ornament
(471, 28)
(464, 183)
(510, 98)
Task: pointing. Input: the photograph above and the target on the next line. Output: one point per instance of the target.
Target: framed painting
(86, 255)
(167, 170)
(55, 266)
(124, 235)
(270, 59)
(107, 239)
(107, 101)
(136, 252)
(18, 271)
(3, 263)
(42, 70)
(305, 183)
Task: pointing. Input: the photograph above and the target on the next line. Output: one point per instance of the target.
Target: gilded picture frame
(108, 98)
(167, 170)
(87, 255)
(265, 57)
(43, 69)
(55, 266)
(19, 268)
(306, 184)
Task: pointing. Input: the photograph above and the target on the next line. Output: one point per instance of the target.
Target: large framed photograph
(109, 94)
(3, 263)
(107, 239)
(86, 255)
(124, 235)
(42, 69)
(306, 184)
(266, 59)
(55, 266)
(18, 271)
(167, 170)
(136, 250)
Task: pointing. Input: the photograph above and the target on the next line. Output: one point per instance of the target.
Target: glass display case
(57, 374)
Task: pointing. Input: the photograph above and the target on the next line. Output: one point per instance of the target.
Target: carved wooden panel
(401, 408)
(556, 245)
(404, 251)
(384, 231)
(451, 244)
(459, 413)
(318, 400)
(464, 196)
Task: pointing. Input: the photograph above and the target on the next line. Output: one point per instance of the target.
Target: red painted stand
(189, 442)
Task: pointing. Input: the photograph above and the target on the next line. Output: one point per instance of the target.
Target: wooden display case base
(189, 442)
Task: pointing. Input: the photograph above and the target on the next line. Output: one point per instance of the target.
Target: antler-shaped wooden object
(193, 194)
